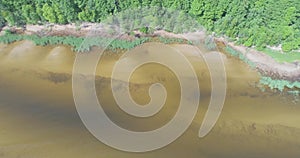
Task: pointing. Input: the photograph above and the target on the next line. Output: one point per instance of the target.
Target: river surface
(38, 118)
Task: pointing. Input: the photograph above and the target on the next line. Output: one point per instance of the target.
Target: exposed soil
(266, 65)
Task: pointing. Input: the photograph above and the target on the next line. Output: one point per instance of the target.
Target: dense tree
(30, 14)
(49, 13)
(251, 22)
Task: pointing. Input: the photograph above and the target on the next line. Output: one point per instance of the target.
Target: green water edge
(292, 88)
(84, 44)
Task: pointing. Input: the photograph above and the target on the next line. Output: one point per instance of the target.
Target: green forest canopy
(251, 22)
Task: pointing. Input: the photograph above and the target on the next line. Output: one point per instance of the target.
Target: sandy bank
(266, 65)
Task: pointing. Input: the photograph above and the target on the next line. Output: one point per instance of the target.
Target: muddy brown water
(38, 117)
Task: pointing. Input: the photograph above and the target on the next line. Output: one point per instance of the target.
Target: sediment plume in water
(38, 116)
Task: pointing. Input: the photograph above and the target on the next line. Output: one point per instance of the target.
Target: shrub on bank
(279, 84)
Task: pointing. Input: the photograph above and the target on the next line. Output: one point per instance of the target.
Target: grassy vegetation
(282, 57)
(295, 93)
(268, 81)
(79, 44)
(240, 55)
(210, 43)
(84, 44)
(171, 40)
(280, 84)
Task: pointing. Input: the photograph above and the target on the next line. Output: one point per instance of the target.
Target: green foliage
(252, 23)
(79, 44)
(240, 55)
(29, 13)
(87, 15)
(295, 92)
(2, 22)
(9, 38)
(258, 23)
(152, 18)
(144, 30)
(171, 40)
(282, 57)
(49, 14)
(279, 84)
(210, 43)
(288, 46)
(8, 17)
(11, 11)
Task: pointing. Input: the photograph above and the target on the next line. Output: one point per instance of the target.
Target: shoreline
(264, 63)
